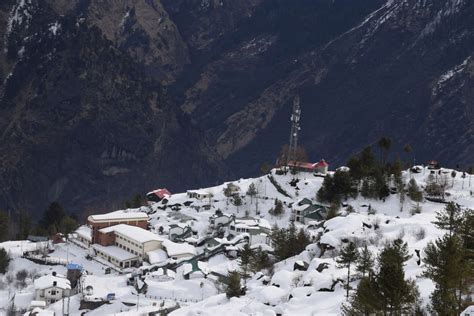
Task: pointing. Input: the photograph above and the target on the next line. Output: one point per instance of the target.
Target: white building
(220, 219)
(51, 288)
(257, 229)
(199, 194)
(116, 255)
(469, 311)
(84, 235)
(178, 251)
(125, 245)
(179, 231)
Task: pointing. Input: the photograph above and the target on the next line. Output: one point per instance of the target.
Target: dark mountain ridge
(104, 99)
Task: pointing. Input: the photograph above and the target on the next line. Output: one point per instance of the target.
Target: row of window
(127, 249)
(130, 242)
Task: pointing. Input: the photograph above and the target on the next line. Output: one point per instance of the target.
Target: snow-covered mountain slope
(316, 290)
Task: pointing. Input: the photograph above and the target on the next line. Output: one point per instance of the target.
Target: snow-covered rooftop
(118, 215)
(157, 256)
(115, 252)
(47, 281)
(84, 231)
(132, 232)
(176, 249)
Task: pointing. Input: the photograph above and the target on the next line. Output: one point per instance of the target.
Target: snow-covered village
(180, 253)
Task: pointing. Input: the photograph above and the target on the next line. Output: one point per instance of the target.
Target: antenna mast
(295, 127)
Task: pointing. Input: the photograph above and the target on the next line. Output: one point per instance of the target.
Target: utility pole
(295, 127)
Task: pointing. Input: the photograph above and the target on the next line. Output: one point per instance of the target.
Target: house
(158, 195)
(320, 167)
(469, 311)
(97, 222)
(199, 194)
(178, 251)
(258, 229)
(51, 288)
(84, 235)
(308, 212)
(125, 245)
(220, 219)
(179, 231)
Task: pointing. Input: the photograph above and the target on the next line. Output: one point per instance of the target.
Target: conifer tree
(450, 218)
(348, 256)
(278, 236)
(365, 262)
(302, 240)
(414, 191)
(260, 260)
(245, 259)
(234, 288)
(252, 191)
(4, 226)
(385, 143)
(397, 294)
(4, 260)
(451, 270)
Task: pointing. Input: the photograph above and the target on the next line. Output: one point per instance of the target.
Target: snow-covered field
(288, 292)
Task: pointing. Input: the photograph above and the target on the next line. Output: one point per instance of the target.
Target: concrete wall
(97, 226)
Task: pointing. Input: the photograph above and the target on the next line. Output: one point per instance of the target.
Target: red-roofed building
(320, 167)
(158, 195)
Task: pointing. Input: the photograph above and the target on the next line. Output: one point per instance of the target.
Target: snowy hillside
(196, 288)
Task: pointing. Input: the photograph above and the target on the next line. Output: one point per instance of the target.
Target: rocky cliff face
(82, 122)
(99, 97)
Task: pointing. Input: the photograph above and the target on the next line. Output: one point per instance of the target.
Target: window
(53, 292)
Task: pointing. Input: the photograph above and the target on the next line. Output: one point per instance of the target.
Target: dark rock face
(82, 123)
(84, 117)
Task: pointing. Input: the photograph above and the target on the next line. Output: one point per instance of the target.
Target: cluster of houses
(121, 238)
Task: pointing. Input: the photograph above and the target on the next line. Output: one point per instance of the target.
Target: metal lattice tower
(295, 127)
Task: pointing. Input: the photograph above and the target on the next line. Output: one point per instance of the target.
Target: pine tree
(450, 219)
(397, 294)
(365, 262)
(4, 226)
(365, 190)
(52, 216)
(24, 226)
(302, 240)
(4, 260)
(348, 256)
(67, 225)
(365, 301)
(252, 192)
(234, 288)
(278, 236)
(451, 270)
(385, 143)
(260, 260)
(245, 259)
(414, 191)
(237, 200)
(278, 209)
(291, 240)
